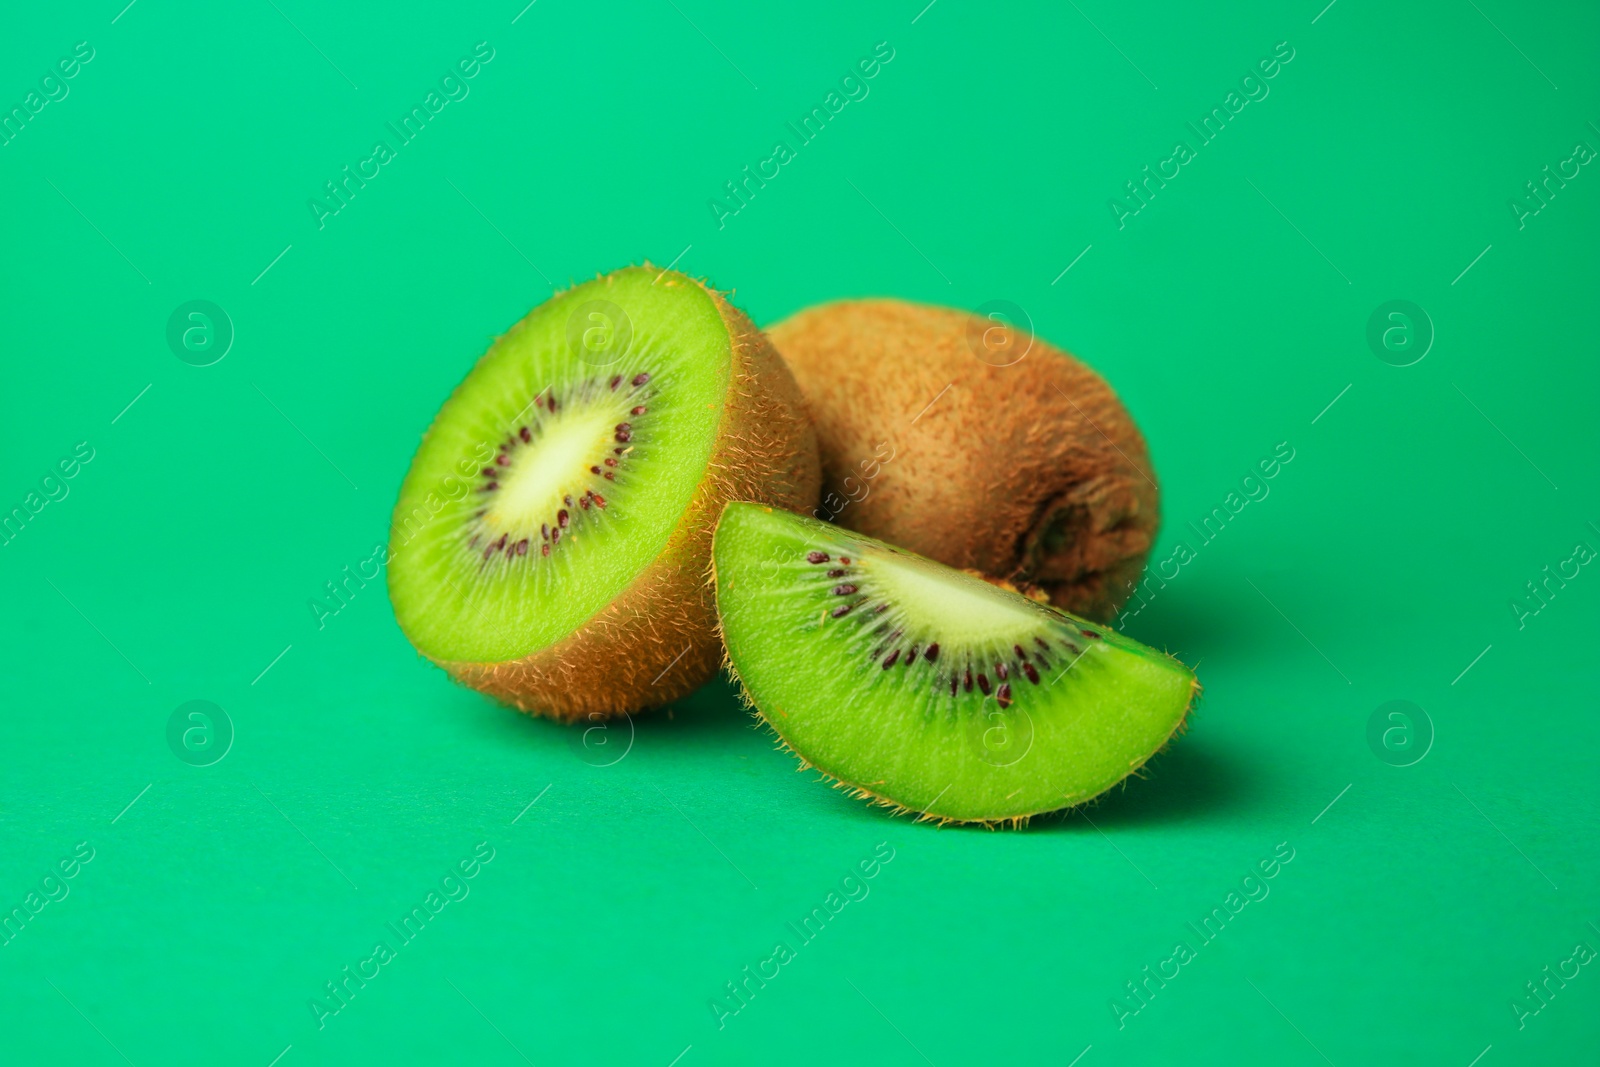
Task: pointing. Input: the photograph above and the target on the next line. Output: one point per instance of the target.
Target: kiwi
(925, 688)
(552, 537)
(978, 445)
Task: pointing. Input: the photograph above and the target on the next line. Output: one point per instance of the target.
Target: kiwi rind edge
(896, 809)
(766, 451)
(1013, 822)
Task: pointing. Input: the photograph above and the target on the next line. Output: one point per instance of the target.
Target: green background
(1229, 312)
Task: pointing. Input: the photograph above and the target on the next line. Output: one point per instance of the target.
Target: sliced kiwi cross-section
(929, 689)
(551, 538)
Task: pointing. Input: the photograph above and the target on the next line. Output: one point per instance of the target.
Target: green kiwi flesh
(519, 553)
(928, 689)
(552, 537)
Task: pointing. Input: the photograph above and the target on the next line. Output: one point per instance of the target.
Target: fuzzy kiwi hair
(1005, 454)
(655, 640)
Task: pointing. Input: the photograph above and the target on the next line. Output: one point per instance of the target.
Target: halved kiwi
(552, 536)
(976, 444)
(928, 689)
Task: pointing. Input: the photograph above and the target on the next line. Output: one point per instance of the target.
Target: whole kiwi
(976, 444)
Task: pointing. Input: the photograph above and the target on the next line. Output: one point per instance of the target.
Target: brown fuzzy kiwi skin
(658, 640)
(1032, 472)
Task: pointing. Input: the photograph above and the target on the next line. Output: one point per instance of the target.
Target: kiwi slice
(928, 689)
(977, 444)
(552, 537)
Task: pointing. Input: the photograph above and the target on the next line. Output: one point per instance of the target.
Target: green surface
(825, 629)
(626, 371)
(1407, 906)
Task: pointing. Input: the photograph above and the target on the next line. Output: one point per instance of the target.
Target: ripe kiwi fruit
(552, 537)
(977, 445)
(927, 689)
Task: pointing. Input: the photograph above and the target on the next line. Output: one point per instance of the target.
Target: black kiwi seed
(931, 653)
(816, 557)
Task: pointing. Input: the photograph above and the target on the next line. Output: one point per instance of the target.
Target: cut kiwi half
(926, 688)
(552, 537)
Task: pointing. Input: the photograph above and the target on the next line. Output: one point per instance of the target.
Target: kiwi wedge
(552, 537)
(925, 688)
(977, 444)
